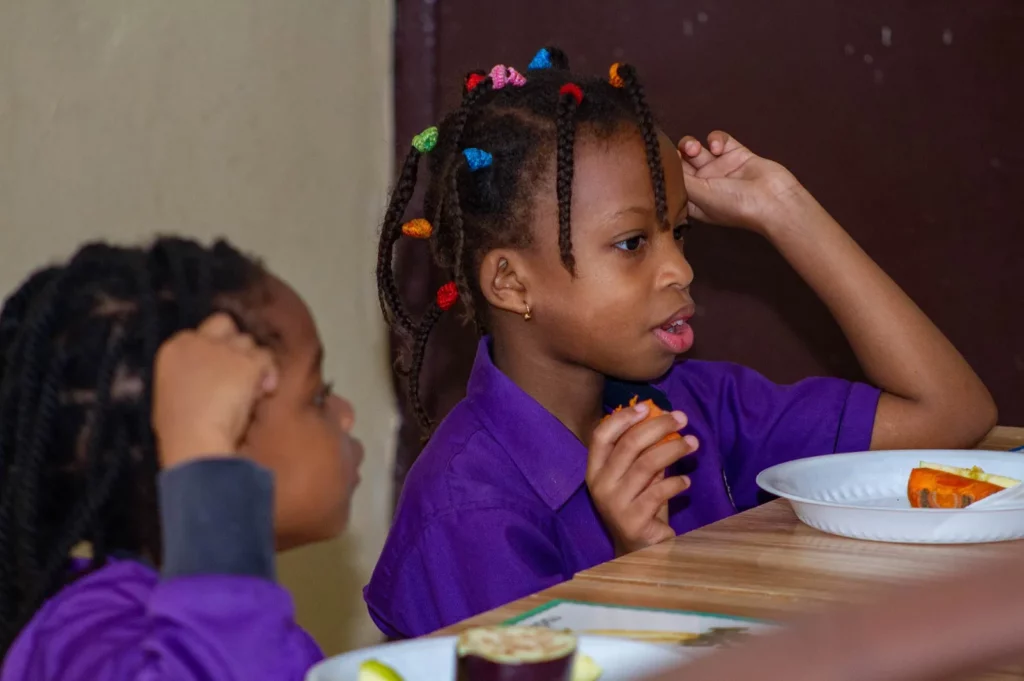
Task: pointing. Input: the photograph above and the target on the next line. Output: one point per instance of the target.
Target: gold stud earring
(526, 315)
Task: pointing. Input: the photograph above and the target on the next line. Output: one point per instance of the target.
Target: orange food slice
(654, 411)
(929, 488)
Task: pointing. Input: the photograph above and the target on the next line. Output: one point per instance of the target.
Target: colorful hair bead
(498, 77)
(613, 76)
(574, 90)
(447, 295)
(477, 158)
(515, 78)
(541, 60)
(418, 229)
(502, 75)
(426, 140)
(474, 79)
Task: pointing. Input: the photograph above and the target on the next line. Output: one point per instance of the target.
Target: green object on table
(585, 669)
(375, 670)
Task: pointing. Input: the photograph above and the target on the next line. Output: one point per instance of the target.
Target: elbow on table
(950, 419)
(962, 420)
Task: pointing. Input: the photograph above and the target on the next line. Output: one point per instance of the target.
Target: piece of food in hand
(375, 670)
(974, 473)
(932, 486)
(654, 411)
(516, 654)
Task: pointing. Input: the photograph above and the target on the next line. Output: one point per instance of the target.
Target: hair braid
(81, 517)
(631, 83)
(419, 351)
(566, 140)
(78, 460)
(390, 232)
(454, 213)
(25, 497)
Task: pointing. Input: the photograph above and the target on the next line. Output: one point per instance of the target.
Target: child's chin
(648, 372)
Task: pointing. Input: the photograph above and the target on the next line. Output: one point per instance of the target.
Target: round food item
(375, 670)
(515, 654)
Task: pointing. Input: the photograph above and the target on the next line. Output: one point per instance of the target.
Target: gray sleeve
(217, 518)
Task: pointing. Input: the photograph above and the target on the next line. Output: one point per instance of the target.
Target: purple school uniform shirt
(496, 507)
(214, 611)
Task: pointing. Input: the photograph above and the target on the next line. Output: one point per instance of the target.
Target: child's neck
(572, 393)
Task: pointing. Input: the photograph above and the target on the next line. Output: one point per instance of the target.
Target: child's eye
(681, 230)
(323, 395)
(631, 244)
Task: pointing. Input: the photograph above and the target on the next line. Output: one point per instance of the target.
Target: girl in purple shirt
(165, 408)
(558, 209)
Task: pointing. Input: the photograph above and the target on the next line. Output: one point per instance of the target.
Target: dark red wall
(915, 146)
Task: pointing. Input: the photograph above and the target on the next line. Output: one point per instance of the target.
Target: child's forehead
(288, 320)
(612, 175)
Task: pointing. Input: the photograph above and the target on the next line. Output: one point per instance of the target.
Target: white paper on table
(672, 627)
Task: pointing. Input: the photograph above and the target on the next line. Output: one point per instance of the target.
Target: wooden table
(763, 564)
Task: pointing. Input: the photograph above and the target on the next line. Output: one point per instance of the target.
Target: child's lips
(677, 340)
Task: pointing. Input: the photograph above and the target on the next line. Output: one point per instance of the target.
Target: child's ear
(504, 281)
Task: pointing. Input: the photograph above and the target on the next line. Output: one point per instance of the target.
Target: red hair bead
(474, 79)
(447, 295)
(574, 90)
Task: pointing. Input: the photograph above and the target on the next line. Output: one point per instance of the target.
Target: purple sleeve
(438, 581)
(759, 423)
(123, 624)
(216, 614)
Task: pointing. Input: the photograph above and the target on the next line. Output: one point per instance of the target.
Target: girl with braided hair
(559, 208)
(164, 427)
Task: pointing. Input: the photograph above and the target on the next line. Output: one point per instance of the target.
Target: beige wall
(264, 120)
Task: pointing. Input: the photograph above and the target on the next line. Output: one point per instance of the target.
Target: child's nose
(677, 271)
(346, 414)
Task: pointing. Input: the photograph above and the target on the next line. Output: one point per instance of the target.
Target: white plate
(864, 496)
(433, 659)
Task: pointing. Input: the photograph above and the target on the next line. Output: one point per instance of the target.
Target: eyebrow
(635, 210)
(645, 211)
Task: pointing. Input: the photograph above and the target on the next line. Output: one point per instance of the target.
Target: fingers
(721, 142)
(218, 326)
(653, 463)
(661, 492)
(694, 153)
(697, 155)
(221, 327)
(638, 439)
(608, 433)
(266, 370)
(698, 192)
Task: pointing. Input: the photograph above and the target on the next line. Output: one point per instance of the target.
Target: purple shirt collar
(547, 453)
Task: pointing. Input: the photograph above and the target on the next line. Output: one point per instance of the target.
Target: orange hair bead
(418, 229)
(613, 76)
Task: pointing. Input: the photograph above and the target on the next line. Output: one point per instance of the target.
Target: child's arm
(215, 612)
(931, 397)
(916, 632)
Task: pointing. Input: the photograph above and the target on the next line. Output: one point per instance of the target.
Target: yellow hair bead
(418, 229)
(613, 76)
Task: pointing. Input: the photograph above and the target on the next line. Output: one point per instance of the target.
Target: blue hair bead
(541, 60)
(477, 158)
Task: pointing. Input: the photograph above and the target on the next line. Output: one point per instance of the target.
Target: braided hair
(78, 461)
(474, 208)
